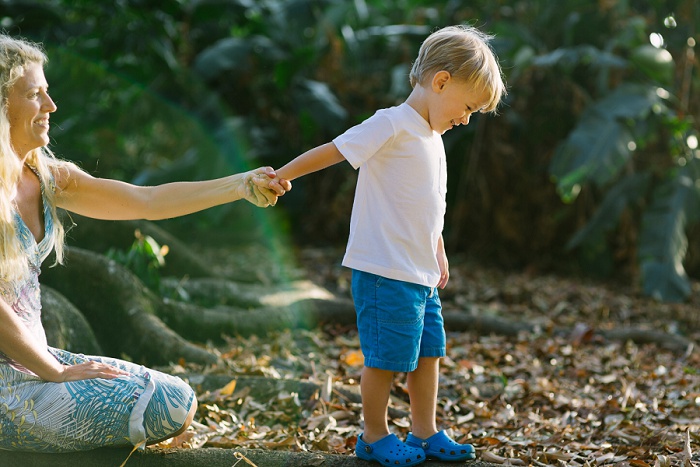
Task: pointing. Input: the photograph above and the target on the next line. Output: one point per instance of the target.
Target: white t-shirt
(399, 208)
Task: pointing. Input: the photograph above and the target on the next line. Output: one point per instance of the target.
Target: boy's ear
(440, 79)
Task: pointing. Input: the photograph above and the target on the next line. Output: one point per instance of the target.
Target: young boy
(395, 248)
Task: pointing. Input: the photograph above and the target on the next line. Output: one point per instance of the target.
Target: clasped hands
(263, 187)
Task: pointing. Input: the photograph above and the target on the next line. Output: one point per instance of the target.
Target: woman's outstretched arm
(108, 199)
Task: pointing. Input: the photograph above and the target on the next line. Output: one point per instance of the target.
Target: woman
(52, 400)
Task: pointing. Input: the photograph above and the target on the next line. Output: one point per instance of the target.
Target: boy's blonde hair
(15, 55)
(465, 53)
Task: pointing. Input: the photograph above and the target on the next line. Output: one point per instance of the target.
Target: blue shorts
(398, 322)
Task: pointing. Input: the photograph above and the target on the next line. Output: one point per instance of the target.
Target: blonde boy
(395, 248)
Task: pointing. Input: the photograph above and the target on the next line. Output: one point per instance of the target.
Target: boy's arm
(311, 161)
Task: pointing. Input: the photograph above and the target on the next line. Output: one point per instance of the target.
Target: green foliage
(144, 259)
(663, 241)
(182, 89)
(602, 143)
(630, 142)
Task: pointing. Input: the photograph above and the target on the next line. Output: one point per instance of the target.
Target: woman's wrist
(54, 374)
(235, 187)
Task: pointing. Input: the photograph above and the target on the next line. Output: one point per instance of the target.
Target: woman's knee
(188, 419)
(188, 412)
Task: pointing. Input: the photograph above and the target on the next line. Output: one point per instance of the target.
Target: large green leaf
(664, 281)
(657, 63)
(235, 54)
(628, 101)
(601, 144)
(621, 195)
(318, 100)
(593, 152)
(663, 241)
(569, 57)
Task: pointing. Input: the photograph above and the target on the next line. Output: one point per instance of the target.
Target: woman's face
(28, 109)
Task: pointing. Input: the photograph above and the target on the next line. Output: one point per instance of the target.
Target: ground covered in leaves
(540, 398)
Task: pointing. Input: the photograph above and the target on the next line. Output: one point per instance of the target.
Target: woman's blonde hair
(15, 54)
(465, 53)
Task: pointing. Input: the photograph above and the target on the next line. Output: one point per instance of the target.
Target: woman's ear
(440, 79)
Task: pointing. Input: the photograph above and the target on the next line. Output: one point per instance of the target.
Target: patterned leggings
(40, 416)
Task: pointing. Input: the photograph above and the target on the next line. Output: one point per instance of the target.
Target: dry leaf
(582, 334)
(490, 441)
(542, 397)
(327, 389)
(605, 458)
(354, 358)
(228, 389)
(488, 456)
(687, 454)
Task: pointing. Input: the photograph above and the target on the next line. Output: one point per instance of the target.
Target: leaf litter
(540, 398)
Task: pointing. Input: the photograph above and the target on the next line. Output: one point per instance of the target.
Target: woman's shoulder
(61, 172)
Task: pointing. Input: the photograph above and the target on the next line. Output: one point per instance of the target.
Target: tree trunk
(66, 327)
(202, 324)
(129, 319)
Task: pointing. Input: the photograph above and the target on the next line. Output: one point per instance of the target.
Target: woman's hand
(262, 187)
(91, 370)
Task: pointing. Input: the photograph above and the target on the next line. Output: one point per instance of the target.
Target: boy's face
(454, 101)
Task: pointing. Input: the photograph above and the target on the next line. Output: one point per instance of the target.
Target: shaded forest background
(591, 166)
(590, 169)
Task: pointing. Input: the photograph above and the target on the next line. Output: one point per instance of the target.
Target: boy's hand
(278, 184)
(443, 264)
(444, 271)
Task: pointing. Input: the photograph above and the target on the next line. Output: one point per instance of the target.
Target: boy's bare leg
(375, 385)
(422, 389)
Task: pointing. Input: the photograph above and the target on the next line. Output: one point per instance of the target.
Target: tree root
(129, 319)
(484, 324)
(120, 310)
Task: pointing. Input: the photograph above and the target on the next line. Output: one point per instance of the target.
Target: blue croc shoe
(442, 447)
(389, 451)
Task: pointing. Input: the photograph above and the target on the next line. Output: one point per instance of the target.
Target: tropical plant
(195, 89)
(144, 258)
(635, 143)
